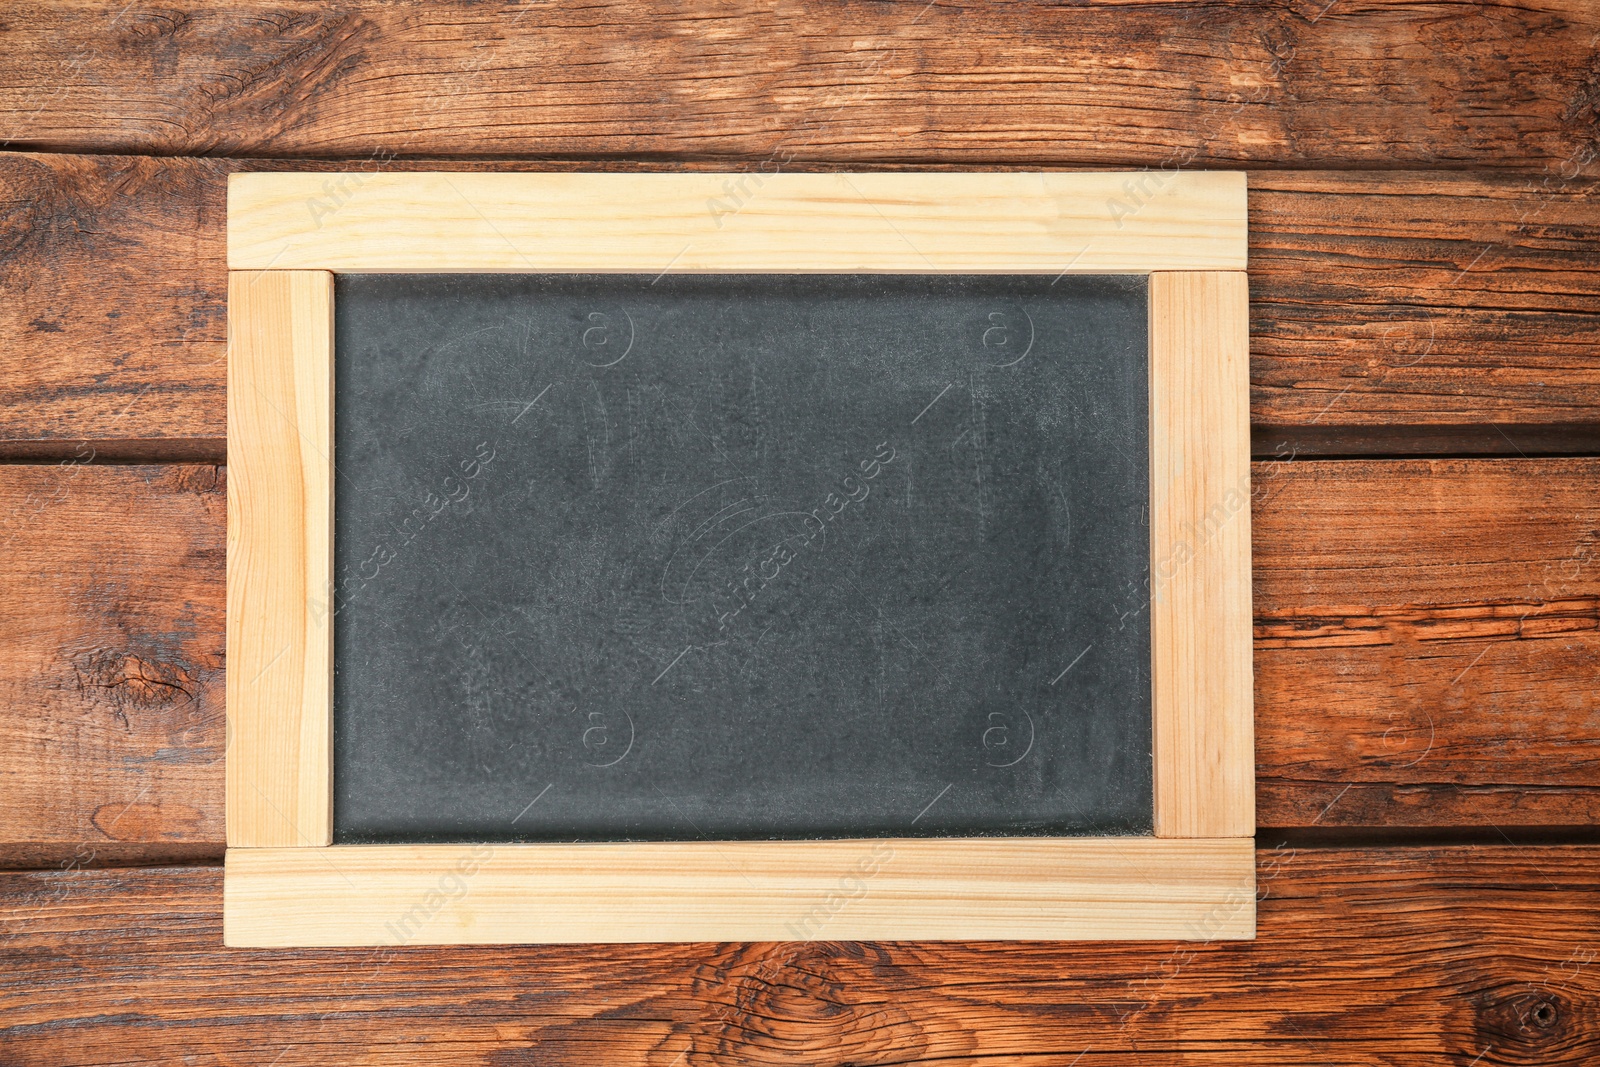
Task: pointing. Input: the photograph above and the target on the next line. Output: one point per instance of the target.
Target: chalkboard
(740, 556)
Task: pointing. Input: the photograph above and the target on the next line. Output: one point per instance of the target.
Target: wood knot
(144, 822)
(30, 196)
(1527, 1025)
(795, 1003)
(748, 1005)
(201, 478)
(131, 681)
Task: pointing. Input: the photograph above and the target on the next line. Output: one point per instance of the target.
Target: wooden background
(1426, 411)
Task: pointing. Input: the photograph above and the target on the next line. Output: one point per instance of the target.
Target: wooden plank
(908, 223)
(115, 319)
(1395, 83)
(1199, 581)
(111, 715)
(901, 889)
(280, 558)
(1427, 643)
(1363, 956)
(1427, 639)
(1453, 303)
(1371, 309)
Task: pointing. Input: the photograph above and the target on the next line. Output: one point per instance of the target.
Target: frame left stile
(286, 884)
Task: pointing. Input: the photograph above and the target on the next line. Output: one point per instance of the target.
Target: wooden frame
(286, 884)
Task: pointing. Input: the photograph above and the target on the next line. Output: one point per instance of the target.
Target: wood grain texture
(1447, 301)
(114, 322)
(280, 558)
(1370, 308)
(1130, 888)
(1426, 631)
(1427, 639)
(1380, 956)
(1415, 671)
(1381, 84)
(763, 221)
(111, 680)
(1199, 582)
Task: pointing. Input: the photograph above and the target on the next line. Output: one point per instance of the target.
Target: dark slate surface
(740, 556)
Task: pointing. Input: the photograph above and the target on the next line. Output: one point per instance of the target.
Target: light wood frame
(286, 884)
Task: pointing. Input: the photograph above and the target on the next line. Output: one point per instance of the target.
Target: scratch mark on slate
(932, 402)
(931, 803)
(531, 803)
(673, 664)
(1073, 664)
(532, 402)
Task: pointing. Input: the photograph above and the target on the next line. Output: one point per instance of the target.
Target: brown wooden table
(1426, 403)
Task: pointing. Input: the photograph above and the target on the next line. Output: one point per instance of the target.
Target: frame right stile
(1200, 614)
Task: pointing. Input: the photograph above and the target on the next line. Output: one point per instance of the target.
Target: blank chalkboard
(740, 556)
